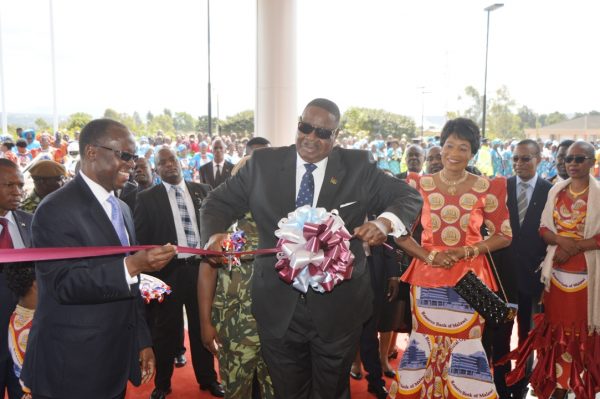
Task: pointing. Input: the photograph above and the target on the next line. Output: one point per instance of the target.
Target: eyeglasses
(524, 158)
(576, 158)
(122, 155)
(321, 133)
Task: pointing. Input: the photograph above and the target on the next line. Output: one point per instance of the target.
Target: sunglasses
(122, 155)
(321, 133)
(524, 159)
(576, 158)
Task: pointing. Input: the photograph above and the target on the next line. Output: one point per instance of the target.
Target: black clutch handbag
(490, 306)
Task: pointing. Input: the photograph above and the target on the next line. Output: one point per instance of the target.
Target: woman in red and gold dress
(445, 356)
(567, 335)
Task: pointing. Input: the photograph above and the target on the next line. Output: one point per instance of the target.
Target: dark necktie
(307, 186)
(116, 217)
(5, 240)
(522, 202)
(218, 174)
(186, 221)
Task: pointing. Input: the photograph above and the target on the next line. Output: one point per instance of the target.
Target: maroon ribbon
(54, 253)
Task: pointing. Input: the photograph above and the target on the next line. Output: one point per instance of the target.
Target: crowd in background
(195, 150)
(181, 161)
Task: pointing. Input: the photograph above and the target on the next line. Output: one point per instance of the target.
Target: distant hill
(27, 121)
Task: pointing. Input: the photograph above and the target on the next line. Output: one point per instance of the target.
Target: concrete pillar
(276, 113)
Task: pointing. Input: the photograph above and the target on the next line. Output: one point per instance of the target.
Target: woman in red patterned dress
(566, 336)
(445, 357)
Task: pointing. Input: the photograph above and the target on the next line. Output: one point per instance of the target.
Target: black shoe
(214, 388)
(180, 360)
(356, 376)
(378, 390)
(389, 374)
(159, 393)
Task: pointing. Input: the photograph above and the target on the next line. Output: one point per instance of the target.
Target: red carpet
(185, 387)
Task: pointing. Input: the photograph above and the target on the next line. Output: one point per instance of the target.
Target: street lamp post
(423, 92)
(208, 60)
(489, 9)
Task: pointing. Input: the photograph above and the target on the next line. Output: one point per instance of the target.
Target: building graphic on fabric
(443, 298)
(470, 366)
(414, 358)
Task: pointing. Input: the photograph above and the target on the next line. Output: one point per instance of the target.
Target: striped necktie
(186, 221)
(522, 202)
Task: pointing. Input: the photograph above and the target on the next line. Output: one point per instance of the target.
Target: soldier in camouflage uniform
(48, 176)
(239, 357)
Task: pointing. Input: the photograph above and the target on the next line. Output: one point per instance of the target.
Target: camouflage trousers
(239, 357)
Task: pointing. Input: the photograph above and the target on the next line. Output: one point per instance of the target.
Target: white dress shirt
(13, 230)
(398, 228)
(102, 197)
(189, 204)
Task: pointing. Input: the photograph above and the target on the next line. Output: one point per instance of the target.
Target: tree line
(504, 119)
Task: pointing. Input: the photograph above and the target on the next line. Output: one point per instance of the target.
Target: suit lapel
(535, 198)
(163, 204)
(128, 223)
(23, 229)
(513, 211)
(197, 199)
(286, 186)
(334, 176)
(98, 215)
(210, 175)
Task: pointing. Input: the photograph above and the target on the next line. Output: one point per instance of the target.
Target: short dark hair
(7, 163)
(22, 143)
(532, 143)
(94, 131)
(465, 129)
(565, 143)
(257, 141)
(8, 144)
(20, 277)
(327, 105)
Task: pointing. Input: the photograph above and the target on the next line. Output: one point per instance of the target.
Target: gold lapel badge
(333, 180)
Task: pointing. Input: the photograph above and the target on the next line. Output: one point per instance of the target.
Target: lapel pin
(333, 180)
(23, 224)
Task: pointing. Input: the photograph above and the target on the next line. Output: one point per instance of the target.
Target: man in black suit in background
(309, 340)
(526, 197)
(168, 213)
(142, 174)
(89, 335)
(14, 233)
(217, 171)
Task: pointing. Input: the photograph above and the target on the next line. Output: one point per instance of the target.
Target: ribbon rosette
(315, 249)
(153, 288)
(234, 242)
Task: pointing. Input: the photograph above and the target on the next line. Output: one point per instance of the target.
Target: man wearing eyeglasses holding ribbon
(309, 340)
(89, 334)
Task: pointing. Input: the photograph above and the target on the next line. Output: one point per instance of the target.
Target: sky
(148, 55)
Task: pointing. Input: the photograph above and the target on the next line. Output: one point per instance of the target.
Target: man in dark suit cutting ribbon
(89, 335)
(309, 340)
